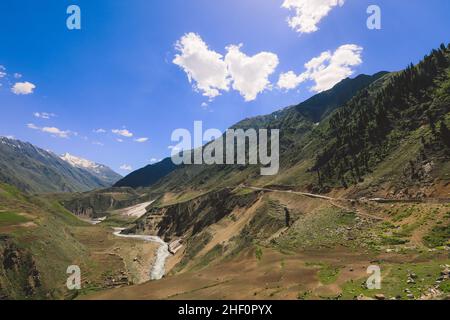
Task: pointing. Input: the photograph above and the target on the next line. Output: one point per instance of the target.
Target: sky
(115, 90)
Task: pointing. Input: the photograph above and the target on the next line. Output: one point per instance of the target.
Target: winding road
(333, 201)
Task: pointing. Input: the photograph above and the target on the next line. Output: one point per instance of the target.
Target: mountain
(147, 176)
(293, 121)
(35, 170)
(360, 134)
(363, 178)
(103, 172)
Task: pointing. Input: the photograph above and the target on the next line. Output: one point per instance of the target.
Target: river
(159, 267)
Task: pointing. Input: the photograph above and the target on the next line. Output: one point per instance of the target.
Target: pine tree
(445, 134)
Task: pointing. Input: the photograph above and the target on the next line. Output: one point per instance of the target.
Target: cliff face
(190, 218)
(19, 276)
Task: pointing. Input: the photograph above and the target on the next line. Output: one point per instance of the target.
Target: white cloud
(122, 132)
(44, 115)
(119, 140)
(309, 13)
(32, 126)
(51, 130)
(17, 75)
(126, 167)
(153, 160)
(204, 105)
(213, 73)
(326, 70)
(56, 132)
(290, 80)
(23, 88)
(141, 140)
(97, 143)
(100, 131)
(250, 74)
(204, 67)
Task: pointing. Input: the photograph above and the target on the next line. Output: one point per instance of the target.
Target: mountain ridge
(102, 171)
(299, 118)
(36, 170)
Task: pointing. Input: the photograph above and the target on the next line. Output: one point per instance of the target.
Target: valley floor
(327, 274)
(324, 253)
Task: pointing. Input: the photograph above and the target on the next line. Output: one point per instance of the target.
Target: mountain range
(35, 170)
(360, 134)
(364, 178)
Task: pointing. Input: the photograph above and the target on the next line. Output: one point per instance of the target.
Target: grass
(392, 240)
(394, 281)
(211, 256)
(259, 253)
(11, 218)
(438, 237)
(401, 215)
(445, 286)
(327, 274)
(323, 228)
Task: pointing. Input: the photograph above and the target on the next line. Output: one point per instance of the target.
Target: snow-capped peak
(80, 162)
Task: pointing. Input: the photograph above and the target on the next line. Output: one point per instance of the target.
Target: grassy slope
(42, 230)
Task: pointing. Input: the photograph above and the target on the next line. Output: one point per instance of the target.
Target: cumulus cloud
(203, 66)
(290, 80)
(23, 88)
(250, 74)
(122, 132)
(141, 140)
(56, 132)
(99, 130)
(325, 70)
(44, 115)
(309, 13)
(213, 73)
(126, 167)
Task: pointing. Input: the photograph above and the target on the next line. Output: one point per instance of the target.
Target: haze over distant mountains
(33, 169)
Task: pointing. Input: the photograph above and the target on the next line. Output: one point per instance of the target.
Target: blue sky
(117, 72)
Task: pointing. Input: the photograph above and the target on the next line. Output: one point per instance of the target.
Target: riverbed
(158, 269)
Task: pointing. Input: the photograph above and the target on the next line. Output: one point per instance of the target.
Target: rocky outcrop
(189, 218)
